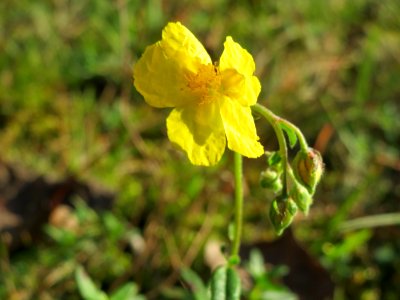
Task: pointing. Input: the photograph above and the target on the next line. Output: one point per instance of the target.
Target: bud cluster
(304, 175)
(271, 178)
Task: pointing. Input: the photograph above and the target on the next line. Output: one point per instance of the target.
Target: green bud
(281, 213)
(274, 159)
(270, 179)
(301, 197)
(234, 260)
(308, 168)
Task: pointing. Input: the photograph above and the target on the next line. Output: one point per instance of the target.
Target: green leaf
(278, 295)
(351, 243)
(218, 284)
(256, 264)
(61, 236)
(197, 285)
(113, 225)
(225, 284)
(86, 286)
(128, 291)
(83, 212)
(232, 284)
(291, 134)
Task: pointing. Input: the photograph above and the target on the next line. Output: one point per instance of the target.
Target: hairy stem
(274, 120)
(238, 173)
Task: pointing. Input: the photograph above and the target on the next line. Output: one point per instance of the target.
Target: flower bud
(281, 213)
(308, 168)
(270, 179)
(301, 197)
(274, 159)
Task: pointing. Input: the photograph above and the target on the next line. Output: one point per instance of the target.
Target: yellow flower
(212, 101)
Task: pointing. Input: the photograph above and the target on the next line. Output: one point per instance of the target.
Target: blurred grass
(67, 106)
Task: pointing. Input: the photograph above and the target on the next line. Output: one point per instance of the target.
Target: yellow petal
(160, 80)
(240, 128)
(182, 46)
(198, 130)
(160, 75)
(235, 57)
(244, 89)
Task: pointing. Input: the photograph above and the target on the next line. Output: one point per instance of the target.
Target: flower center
(205, 83)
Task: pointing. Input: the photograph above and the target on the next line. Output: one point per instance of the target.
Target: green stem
(274, 120)
(238, 173)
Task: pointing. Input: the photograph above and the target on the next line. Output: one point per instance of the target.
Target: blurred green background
(68, 108)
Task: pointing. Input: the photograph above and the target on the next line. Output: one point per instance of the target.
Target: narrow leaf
(127, 292)
(86, 286)
(291, 134)
(218, 284)
(198, 288)
(232, 284)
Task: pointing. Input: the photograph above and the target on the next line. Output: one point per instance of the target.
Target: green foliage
(225, 284)
(89, 291)
(90, 239)
(266, 285)
(87, 288)
(67, 106)
(198, 290)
